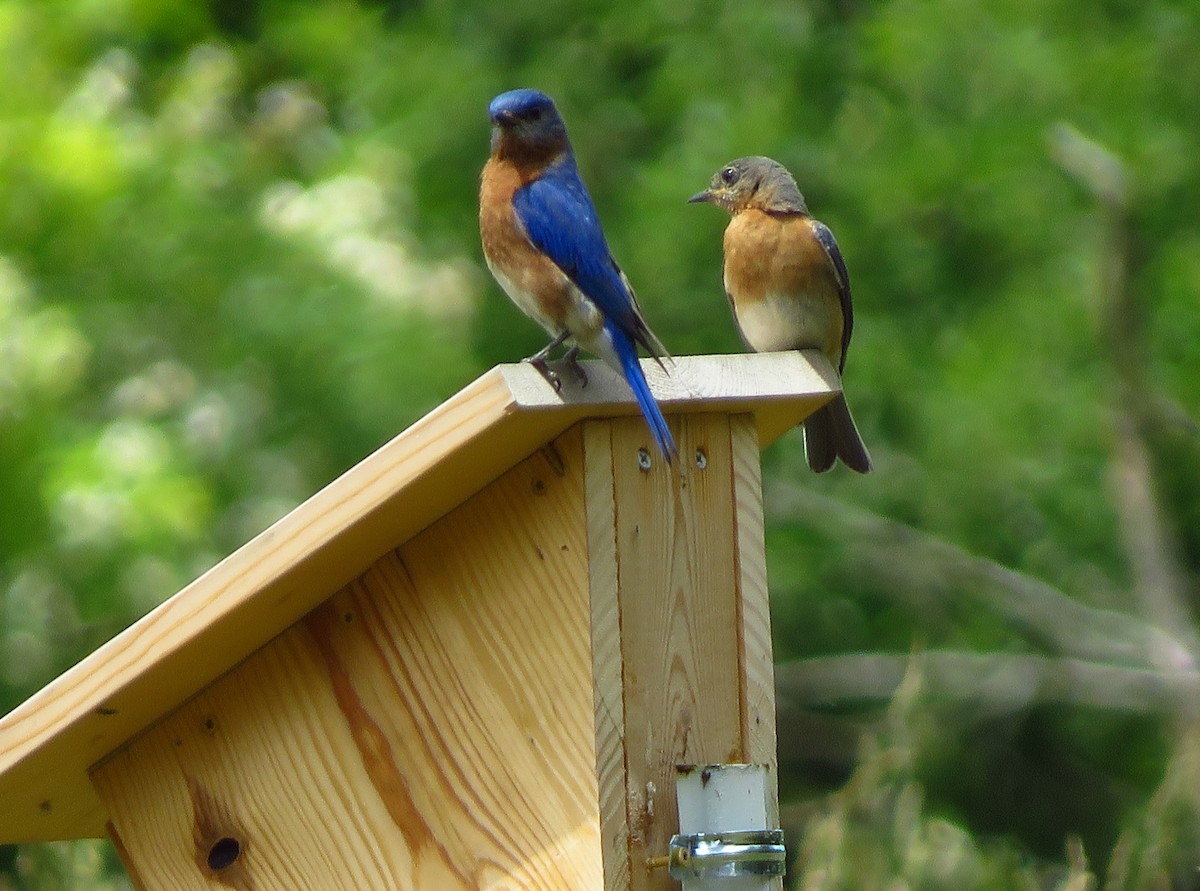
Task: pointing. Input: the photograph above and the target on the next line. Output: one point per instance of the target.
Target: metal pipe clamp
(727, 855)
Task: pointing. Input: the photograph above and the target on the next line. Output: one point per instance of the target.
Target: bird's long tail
(632, 370)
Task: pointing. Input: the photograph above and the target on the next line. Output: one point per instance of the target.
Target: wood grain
(428, 727)
(675, 560)
(757, 668)
(608, 667)
(684, 560)
(754, 606)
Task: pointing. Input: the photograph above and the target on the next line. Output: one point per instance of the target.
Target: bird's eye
(535, 113)
(729, 176)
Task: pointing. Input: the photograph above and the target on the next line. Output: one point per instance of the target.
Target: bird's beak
(700, 197)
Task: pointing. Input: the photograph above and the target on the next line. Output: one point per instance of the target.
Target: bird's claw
(571, 360)
(539, 362)
(552, 370)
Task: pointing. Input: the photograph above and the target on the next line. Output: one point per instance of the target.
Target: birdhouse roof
(49, 743)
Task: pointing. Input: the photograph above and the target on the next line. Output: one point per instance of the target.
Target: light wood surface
(754, 617)
(48, 743)
(756, 662)
(608, 668)
(687, 548)
(429, 727)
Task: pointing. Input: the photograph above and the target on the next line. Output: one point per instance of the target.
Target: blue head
(525, 122)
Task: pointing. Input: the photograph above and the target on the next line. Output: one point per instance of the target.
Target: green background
(238, 252)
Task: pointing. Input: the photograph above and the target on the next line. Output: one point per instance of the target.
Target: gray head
(753, 182)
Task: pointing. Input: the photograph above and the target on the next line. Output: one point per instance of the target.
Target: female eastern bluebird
(788, 288)
(543, 242)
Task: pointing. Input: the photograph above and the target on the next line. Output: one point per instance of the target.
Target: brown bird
(788, 288)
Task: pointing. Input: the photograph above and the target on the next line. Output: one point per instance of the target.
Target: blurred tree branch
(992, 682)
(1158, 579)
(916, 566)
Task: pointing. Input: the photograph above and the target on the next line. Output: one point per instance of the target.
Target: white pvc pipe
(724, 798)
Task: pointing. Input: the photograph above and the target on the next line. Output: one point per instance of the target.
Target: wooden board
(429, 727)
(679, 598)
(48, 743)
(757, 673)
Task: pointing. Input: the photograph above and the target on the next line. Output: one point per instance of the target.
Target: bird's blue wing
(830, 245)
(561, 221)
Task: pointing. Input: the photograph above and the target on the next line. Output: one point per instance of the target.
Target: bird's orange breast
(539, 288)
(782, 285)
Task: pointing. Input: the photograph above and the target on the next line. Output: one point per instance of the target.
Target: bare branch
(916, 566)
(1158, 578)
(993, 682)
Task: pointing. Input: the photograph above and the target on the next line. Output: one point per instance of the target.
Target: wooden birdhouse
(473, 661)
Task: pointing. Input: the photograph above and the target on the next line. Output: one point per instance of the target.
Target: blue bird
(543, 243)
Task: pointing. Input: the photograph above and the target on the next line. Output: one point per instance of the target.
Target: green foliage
(238, 251)
(879, 831)
(66, 866)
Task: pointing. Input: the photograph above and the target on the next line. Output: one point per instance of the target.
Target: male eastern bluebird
(788, 288)
(543, 242)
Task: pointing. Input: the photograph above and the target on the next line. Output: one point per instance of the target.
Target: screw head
(643, 459)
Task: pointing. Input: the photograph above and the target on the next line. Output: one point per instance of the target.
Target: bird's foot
(540, 355)
(552, 370)
(539, 362)
(571, 360)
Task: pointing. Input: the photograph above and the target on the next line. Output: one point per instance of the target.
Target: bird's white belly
(579, 315)
(792, 323)
(523, 298)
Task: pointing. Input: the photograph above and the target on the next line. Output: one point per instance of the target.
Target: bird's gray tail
(829, 434)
